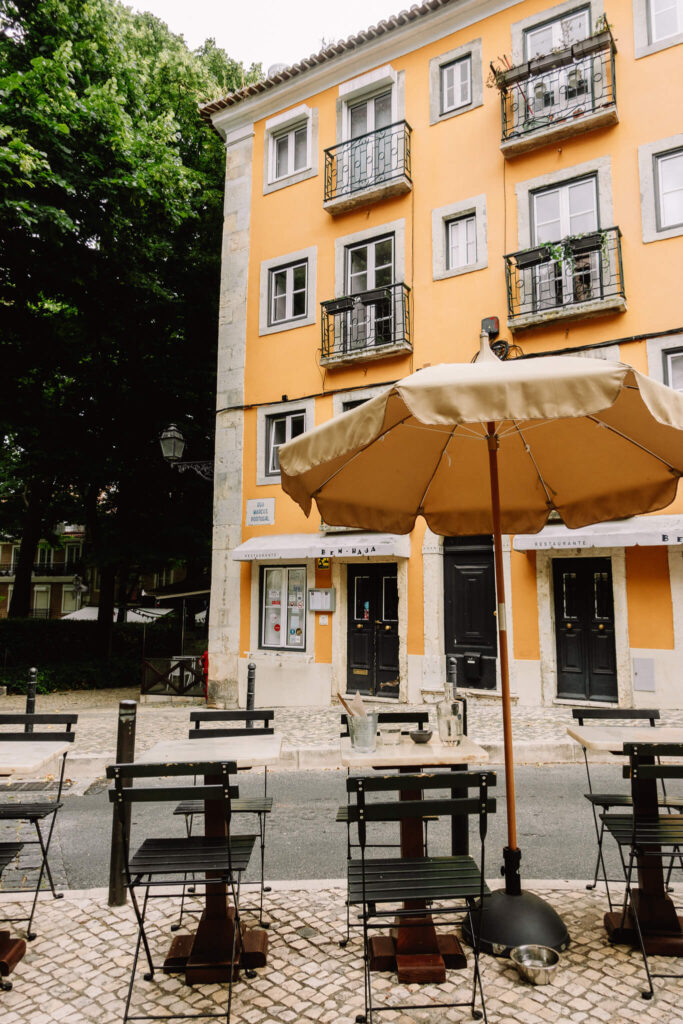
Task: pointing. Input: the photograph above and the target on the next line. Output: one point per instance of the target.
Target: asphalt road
(554, 825)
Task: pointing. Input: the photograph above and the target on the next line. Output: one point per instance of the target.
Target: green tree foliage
(110, 222)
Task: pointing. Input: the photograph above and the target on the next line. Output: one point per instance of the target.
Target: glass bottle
(449, 716)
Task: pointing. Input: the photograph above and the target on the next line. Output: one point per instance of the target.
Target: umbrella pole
(509, 917)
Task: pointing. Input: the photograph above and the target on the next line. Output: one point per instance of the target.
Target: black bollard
(31, 696)
(251, 686)
(125, 753)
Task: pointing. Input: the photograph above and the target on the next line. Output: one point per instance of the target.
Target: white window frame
(658, 351)
(266, 414)
(41, 588)
(648, 155)
(644, 44)
(659, 159)
(601, 168)
(69, 590)
(286, 125)
(308, 256)
(459, 84)
(668, 355)
(289, 293)
(520, 29)
(301, 610)
(367, 87)
(48, 561)
(443, 216)
(71, 559)
(290, 137)
(288, 416)
(438, 65)
(677, 5)
(465, 221)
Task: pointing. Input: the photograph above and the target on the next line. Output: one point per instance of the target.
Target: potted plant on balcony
(591, 241)
(532, 257)
(600, 40)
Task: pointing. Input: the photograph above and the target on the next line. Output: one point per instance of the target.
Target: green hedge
(67, 653)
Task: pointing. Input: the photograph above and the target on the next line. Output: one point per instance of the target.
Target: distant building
(520, 160)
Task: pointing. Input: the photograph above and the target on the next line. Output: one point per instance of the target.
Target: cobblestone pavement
(311, 735)
(76, 971)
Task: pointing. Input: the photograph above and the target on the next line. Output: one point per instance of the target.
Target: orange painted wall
(525, 637)
(453, 160)
(650, 612)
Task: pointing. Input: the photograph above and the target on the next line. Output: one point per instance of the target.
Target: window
(72, 555)
(44, 556)
(665, 19)
(287, 290)
(370, 267)
(164, 578)
(669, 185)
(290, 152)
(461, 242)
(673, 368)
(558, 213)
(279, 429)
(283, 607)
(41, 603)
(557, 34)
(71, 599)
(456, 84)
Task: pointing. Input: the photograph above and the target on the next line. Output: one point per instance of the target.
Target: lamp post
(172, 447)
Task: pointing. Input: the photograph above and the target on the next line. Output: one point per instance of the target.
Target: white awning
(282, 547)
(640, 531)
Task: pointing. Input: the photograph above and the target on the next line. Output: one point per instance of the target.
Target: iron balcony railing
(375, 158)
(558, 87)
(368, 321)
(564, 274)
(44, 569)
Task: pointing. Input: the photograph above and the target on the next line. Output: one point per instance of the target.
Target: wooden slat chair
(253, 723)
(166, 862)
(447, 886)
(602, 802)
(408, 720)
(35, 811)
(660, 837)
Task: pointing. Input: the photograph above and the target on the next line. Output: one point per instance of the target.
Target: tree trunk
(105, 612)
(37, 501)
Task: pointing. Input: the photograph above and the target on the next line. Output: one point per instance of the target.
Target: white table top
(406, 754)
(611, 738)
(27, 757)
(246, 751)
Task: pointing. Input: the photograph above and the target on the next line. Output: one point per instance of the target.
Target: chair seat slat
(192, 854)
(242, 805)
(27, 811)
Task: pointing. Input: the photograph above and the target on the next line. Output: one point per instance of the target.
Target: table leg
(661, 927)
(206, 957)
(416, 951)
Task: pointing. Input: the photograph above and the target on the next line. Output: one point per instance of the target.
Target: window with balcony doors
(40, 608)
(369, 274)
(371, 156)
(289, 152)
(44, 556)
(461, 242)
(665, 19)
(557, 213)
(72, 555)
(669, 188)
(280, 428)
(547, 95)
(456, 84)
(673, 368)
(288, 293)
(283, 607)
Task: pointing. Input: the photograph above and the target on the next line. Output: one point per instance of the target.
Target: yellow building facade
(519, 163)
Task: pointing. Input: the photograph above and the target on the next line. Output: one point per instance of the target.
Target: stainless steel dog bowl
(536, 964)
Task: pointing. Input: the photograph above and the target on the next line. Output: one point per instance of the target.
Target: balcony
(364, 170)
(370, 325)
(58, 569)
(558, 95)
(576, 278)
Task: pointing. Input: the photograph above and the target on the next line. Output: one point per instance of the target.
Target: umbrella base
(516, 920)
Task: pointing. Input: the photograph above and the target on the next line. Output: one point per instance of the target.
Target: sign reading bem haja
(260, 511)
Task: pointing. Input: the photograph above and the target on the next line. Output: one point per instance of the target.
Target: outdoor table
(23, 759)
(206, 955)
(662, 928)
(425, 954)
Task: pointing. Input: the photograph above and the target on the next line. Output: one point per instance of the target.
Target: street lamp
(172, 447)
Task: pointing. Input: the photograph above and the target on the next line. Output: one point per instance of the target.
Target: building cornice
(402, 34)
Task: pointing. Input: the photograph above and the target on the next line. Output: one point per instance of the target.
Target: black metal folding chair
(602, 802)
(31, 729)
(166, 862)
(254, 723)
(408, 720)
(400, 891)
(656, 837)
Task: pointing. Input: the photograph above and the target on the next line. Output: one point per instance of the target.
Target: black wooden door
(584, 629)
(470, 609)
(372, 638)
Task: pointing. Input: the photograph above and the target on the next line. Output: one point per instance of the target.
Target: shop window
(283, 607)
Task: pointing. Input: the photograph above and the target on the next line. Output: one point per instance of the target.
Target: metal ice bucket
(363, 732)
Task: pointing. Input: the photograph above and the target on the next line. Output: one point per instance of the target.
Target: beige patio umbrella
(495, 447)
